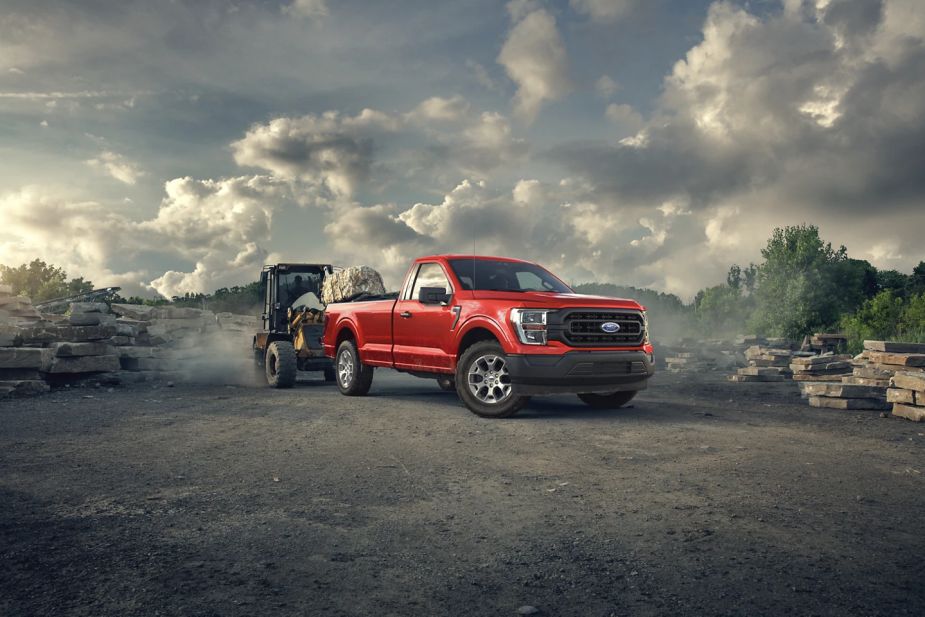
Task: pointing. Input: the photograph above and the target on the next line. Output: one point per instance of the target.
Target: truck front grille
(582, 328)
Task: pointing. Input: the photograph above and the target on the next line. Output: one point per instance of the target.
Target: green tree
(41, 281)
(719, 309)
(876, 319)
(912, 323)
(804, 284)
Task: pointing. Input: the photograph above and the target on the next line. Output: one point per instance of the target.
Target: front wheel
(281, 365)
(483, 382)
(353, 377)
(611, 400)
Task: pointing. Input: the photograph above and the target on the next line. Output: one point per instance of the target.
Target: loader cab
(290, 340)
(288, 286)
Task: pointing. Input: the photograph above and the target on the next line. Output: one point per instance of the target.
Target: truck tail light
(530, 325)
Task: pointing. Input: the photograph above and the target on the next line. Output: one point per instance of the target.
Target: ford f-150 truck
(496, 330)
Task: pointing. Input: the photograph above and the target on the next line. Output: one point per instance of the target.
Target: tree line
(802, 285)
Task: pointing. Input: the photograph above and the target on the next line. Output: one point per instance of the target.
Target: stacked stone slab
(845, 396)
(16, 310)
(129, 343)
(823, 343)
(826, 367)
(871, 377)
(765, 364)
(907, 394)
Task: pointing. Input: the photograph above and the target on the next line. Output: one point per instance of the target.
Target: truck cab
(293, 316)
(497, 330)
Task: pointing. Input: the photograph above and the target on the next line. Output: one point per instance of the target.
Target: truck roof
(481, 257)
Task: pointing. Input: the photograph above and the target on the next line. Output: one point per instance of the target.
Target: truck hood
(545, 299)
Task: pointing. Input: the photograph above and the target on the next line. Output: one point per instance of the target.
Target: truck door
(421, 333)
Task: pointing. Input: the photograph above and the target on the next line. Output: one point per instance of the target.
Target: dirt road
(703, 499)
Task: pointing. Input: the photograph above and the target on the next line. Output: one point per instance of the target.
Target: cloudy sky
(177, 145)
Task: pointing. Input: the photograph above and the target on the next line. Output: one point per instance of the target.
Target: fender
(345, 323)
(487, 323)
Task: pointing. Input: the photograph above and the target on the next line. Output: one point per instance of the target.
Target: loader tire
(353, 377)
(281, 364)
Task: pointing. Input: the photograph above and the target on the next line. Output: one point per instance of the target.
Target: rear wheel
(447, 383)
(281, 366)
(353, 377)
(483, 382)
(612, 400)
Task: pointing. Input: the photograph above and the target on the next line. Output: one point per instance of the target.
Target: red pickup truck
(496, 330)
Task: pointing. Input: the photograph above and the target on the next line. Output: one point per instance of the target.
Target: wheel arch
(480, 329)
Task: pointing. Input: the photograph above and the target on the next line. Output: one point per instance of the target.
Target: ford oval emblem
(610, 327)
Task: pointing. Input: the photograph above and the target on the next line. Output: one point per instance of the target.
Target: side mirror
(433, 295)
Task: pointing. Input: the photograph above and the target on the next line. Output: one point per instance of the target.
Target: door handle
(405, 315)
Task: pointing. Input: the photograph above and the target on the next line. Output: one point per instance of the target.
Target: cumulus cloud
(606, 86)
(535, 59)
(334, 155)
(603, 10)
(331, 152)
(116, 165)
(219, 226)
(812, 114)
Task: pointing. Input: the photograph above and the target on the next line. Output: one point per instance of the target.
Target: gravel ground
(704, 498)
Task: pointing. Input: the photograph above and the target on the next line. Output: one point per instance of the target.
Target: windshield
(496, 275)
(293, 285)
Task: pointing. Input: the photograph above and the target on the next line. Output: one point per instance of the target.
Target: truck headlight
(530, 325)
(645, 328)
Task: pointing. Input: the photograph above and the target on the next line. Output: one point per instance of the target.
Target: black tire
(508, 403)
(447, 384)
(281, 365)
(355, 380)
(608, 401)
(330, 375)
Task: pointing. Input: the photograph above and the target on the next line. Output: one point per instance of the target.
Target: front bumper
(580, 372)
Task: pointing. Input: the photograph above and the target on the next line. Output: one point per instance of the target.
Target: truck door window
(430, 275)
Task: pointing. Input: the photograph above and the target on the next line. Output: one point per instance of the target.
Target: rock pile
(350, 283)
(126, 343)
(16, 310)
(765, 364)
(698, 356)
(827, 367)
(907, 395)
(822, 343)
(872, 374)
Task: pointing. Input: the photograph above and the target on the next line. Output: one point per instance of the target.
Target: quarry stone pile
(826, 367)
(873, 383)
(766, 364)
(350, 283)
(822, 343)
(698, 356)
(907, 395)
(96, 343)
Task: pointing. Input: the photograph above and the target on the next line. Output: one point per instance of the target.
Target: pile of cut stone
(822, 343)
(698, 356)
(130, 344)
(907, 395)
(873, 372)
(826, 367)
(765, 363)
